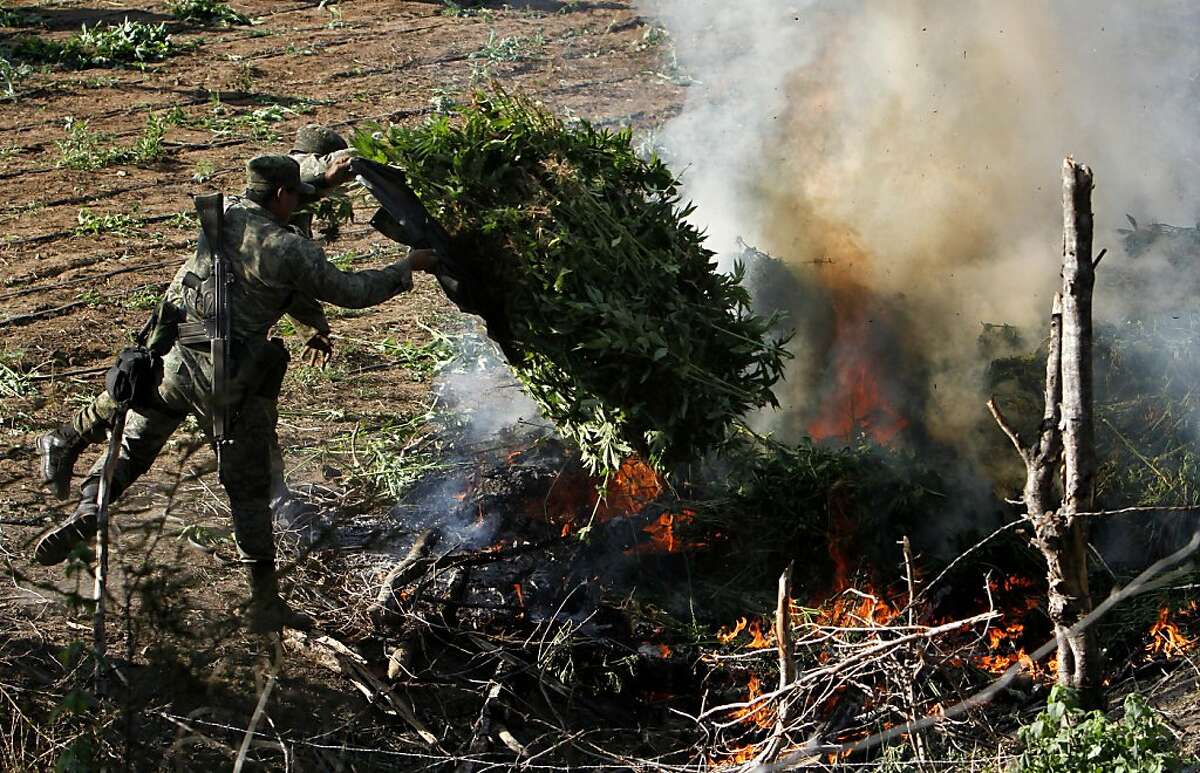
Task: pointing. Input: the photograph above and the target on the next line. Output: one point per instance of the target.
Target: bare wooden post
(1066, 431)
(1079, 455)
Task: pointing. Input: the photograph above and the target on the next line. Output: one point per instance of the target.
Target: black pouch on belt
(134, 378)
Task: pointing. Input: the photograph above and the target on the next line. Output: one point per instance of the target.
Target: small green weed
(92, 298)
(203, 171)
(511, 48)
(184, 221)
(11, 76)
(207, 12)
(143, 299)
(1065, 737)
(91, 224)
(13, 383)
(87, 150)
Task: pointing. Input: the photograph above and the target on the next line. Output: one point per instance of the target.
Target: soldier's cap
(318, 140)
(267, 173)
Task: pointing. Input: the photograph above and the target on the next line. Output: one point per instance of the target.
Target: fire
(857, 401)
(853, 608)
(760, 714)
(1004, 638)
(726, 635)
(1166, 637)
(753, 628)
(574, 499)
(520, 593)
(662, 534)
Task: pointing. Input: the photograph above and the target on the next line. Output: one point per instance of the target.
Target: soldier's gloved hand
(338, 172)
(318, 350)
(423, 260)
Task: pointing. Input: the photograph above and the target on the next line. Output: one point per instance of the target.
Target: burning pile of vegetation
(605, 300)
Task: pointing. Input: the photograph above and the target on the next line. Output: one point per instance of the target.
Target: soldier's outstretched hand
(318, 350)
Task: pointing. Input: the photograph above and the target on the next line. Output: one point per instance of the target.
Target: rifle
(211, 209)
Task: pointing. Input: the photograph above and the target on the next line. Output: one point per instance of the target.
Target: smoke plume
(908, 155)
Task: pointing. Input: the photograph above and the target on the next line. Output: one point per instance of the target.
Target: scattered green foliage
(184, 221)
(330, 213)
(463, 9)
(207, 12)
(11, 76)
(203, 171)
(1065, 737)
(259, 123)
(87, 150)
(143, 299)
(91, 224)
(92, 298)
(511, 48)
(112, 45)
(13, 383)
(607, 303)
(16, 17)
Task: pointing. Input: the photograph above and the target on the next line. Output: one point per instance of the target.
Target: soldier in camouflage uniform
(323, 156)
(271, 264)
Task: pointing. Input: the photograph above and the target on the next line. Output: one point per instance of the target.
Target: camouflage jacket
(306, 312)
(277, 271)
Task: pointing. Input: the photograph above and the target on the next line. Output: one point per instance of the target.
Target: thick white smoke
(918, 146)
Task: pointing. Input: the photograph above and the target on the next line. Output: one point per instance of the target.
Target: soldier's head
(318, 140)
(274, 182)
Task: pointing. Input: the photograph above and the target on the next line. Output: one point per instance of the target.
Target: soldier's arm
(309, 316)
(306, 270)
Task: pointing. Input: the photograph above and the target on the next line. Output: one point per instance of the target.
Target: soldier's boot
(267, 612)
(59, 450)
(56, 544)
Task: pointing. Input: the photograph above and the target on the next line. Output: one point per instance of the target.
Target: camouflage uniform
(272, 265)
(315, 149)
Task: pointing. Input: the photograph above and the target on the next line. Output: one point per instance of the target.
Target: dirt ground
(68, 301)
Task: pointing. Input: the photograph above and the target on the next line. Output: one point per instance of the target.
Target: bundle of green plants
(130, 42)
(604, 298)
(207, 12)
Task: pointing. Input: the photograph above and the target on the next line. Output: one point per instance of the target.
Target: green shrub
(1064, 737)
(206, 12)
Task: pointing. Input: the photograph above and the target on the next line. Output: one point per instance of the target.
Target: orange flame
(662, 534)
(857, 402)
(520, 593)
(760, 714)
(1166, 637)
(753, 628)
(726, 635)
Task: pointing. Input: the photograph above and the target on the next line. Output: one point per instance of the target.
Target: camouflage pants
(245, 470)
(93, 421)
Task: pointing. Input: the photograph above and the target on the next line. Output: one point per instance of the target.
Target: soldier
(325, 165)
(270, 264)
(324, 158)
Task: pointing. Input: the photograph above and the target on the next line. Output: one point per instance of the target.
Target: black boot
(56, 544)
(59, 451)
(267, 612)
